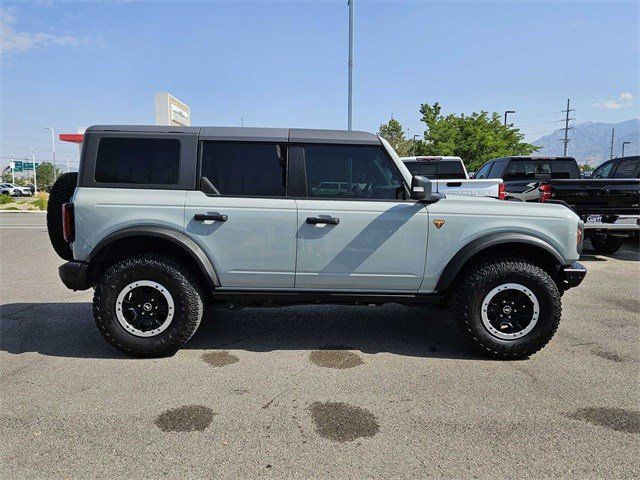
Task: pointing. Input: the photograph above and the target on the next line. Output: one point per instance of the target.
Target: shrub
(41, 201)
(5, 199)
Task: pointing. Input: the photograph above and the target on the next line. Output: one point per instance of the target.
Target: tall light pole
(53, 151)
(35, 180)
(67, 162)
(350, 98)
(613, 132)
(13, 169)
(623, 144)
(505, 115)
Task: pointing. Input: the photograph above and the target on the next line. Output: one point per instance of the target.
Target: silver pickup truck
(163, 220)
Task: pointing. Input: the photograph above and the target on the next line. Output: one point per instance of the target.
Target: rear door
(366, 237)
(242, 216)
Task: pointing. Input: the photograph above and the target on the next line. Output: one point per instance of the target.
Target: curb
(23, 211)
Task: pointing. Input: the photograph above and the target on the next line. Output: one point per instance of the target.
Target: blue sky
(280, 63)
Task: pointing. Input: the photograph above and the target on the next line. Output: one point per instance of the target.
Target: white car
(448, 175)
(15, 190)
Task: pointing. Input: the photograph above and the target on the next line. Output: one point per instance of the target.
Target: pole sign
(19, 166)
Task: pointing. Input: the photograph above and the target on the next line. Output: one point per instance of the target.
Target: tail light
(579, 236)
(502, 194)
(68, 223)
(545, 193)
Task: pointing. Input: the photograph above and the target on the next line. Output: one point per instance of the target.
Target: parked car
(163, 220)
(612, 191)
(448, 175)
(14, 190)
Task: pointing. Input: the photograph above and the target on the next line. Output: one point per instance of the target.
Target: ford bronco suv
(162, 221)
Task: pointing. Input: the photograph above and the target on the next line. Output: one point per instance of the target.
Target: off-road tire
(467, 297)
(606, 244)
(174, 276)
(60, 194)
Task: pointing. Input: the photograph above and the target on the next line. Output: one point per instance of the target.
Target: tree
(392, 132)
(46, 174)
(585, 167)
(475, 138)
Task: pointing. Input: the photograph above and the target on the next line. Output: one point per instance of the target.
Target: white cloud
(625, 100)
(12, 40)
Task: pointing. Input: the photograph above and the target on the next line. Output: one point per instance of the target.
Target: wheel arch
(533, 248)
(145, 239)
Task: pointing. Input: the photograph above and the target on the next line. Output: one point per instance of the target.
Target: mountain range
(591, 142)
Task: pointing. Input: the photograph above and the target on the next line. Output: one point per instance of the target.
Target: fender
(470, 249)
(166, 233)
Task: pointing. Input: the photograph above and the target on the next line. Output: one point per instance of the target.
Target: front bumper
(74, 275)
(572, 275)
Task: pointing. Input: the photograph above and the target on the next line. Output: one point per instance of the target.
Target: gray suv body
(164, 220)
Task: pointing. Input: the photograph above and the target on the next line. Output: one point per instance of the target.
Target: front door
(355, 230)
(244, 221)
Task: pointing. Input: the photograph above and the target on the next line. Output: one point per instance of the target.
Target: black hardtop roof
(250, 134)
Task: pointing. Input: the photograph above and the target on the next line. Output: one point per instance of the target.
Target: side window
(451, 169)
(337, 171)
(496, 169)
(484, 171)
(245, 169)
(626, 168)
(151, 161)
(603, 171)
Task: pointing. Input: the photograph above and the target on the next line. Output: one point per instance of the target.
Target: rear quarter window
(151, 161)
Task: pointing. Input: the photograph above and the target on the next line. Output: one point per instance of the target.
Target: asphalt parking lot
(313, 392)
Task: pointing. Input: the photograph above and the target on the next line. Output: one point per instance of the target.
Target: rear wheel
(508, 309)
(606, 244)
(148, 305)
(60, 194)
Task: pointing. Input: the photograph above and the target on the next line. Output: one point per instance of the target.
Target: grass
(5, 199)
(39, 202)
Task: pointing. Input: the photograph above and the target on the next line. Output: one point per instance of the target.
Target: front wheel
(148, 305)
(507, 308)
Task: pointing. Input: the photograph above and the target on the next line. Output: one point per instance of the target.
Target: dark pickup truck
(608, 202)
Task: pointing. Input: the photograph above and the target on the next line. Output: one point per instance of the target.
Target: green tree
(475, 138)
(46, 174)
(585, 167)
(392, 132)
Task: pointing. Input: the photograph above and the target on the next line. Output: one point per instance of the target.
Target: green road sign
(24, 166)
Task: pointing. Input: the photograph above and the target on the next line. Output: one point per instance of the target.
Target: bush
(41, 202)
(5, 199)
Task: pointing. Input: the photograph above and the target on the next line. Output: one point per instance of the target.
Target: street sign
(23, 166)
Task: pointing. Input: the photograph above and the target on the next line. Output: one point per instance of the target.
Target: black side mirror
(420, 188)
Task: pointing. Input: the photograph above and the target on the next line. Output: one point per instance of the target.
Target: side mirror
(420, 188)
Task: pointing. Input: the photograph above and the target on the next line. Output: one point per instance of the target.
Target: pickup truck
(448, 175)
(612, 192)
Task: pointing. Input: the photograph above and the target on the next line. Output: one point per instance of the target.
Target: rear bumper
(74, 275)
(572, 275)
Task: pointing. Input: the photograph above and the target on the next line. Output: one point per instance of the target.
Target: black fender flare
(172, 235)
(459, 260)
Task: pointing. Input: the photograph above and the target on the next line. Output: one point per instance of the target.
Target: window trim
(170, 186)
(200, 164)
(387, 156)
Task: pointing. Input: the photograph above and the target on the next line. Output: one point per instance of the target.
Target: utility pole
(566, 129)
(13, 169)
(67, 162)
(623, 144)
(505, 115)
(613, 131)
(53, 151)
(35, 180)
(350, 93)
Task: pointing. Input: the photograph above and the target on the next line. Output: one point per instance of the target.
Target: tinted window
(365, 172)
(603, 170)
(429, 170)
(451, 169)
(496, 169)
(530, 169)
(484, 171)
(626, 168)
(245, 169)
(150, 161)
(413, 167)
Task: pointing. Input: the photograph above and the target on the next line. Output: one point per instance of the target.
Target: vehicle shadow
(68, 330)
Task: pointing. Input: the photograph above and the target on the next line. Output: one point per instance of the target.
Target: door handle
(323, 219)
(218, 217)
